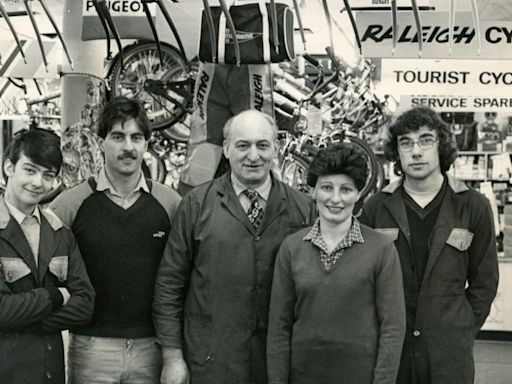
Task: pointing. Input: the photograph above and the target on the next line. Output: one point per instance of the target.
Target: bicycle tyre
(294, 170)
(375, 180)
(140, 63)
(153, 162)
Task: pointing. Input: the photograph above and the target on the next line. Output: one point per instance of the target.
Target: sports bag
(254, 31)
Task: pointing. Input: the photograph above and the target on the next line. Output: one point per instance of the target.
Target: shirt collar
(103, 183)
(263, 190)
(19, 216)
(354, 235)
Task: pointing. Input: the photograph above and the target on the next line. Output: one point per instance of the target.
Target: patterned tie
(30, 227)
(255, 211)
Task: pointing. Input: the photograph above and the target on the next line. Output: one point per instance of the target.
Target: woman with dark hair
(337, 311)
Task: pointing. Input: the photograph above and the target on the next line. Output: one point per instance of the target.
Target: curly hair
(121, 109)
(411, 121)
(339, 159)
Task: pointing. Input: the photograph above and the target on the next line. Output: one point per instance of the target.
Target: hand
(175, 370)
(65, 295)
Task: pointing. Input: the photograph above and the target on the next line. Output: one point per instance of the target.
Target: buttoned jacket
(31, 346)
(446, 311)
(213, 286)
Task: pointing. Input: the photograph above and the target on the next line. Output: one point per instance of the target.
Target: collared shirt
(263, 192)
(31, 230)
(354, 235)
(103, 184)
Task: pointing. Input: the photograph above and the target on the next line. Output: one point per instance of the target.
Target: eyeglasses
(424, 142)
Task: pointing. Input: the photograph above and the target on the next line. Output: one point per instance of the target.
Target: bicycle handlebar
(311, 60)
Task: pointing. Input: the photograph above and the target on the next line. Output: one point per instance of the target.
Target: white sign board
(119, 8)
(458, 103)
(451, 77)
(385, 4)
(128, 17)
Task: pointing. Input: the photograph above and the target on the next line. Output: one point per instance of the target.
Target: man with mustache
(444, 234)
(121, 222)
(213, 287)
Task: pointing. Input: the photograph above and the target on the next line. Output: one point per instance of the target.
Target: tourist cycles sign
(376, 34)
(455, 85)
(468, 77)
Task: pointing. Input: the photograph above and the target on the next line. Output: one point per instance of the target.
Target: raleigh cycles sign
(376, 34)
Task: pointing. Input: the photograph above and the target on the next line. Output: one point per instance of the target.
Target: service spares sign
(375, 29)
(455, 85)
(128, 16)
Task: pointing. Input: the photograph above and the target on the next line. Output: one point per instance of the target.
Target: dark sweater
(421, 223)
(122, 250)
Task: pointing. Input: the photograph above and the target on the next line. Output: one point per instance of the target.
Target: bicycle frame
(33, 22)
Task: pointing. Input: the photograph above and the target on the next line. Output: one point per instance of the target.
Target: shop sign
(120, 8)
(385, 4)
(452, 77)
(376, 34)
(128, 16)
(461, 103)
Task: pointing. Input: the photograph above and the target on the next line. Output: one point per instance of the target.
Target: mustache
(127, 155)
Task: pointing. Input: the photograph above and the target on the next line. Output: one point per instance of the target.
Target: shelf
(479, 153)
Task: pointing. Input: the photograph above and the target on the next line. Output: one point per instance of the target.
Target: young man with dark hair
(121, 222)
(444, 234)
(44, 287)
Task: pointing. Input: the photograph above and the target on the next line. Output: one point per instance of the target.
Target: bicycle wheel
(294, 171)
(141, 63)
(153, 166)
(375, 180)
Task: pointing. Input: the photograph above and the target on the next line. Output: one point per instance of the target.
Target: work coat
(31, 349)
(213, 286)
(459, 282)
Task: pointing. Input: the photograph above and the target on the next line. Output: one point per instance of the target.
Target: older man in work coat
(213, 287)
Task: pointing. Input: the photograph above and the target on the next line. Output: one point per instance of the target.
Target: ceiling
(186, 15)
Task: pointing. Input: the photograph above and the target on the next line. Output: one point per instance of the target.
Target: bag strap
(266, 32)
(231, 25)
(273, 15)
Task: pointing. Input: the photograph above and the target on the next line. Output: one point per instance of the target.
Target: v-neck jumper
(345, 326)
(123, 243)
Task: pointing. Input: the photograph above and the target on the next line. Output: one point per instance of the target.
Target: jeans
(106, 360)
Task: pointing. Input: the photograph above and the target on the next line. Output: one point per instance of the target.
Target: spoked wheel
(153, 166)
(294, 170)
(375, 180)
(141, 63)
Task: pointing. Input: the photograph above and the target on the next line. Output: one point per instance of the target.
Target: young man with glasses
(444, 234)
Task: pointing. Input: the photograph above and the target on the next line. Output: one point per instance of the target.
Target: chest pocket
(13, 269)
(460, 239)
(391, 233)
(59, 267)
